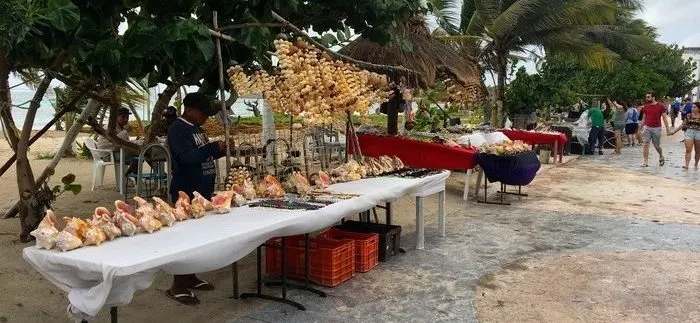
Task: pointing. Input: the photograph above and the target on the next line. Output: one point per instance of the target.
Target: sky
(675, 20)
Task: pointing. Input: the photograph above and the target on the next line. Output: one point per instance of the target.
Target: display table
(419, 154)
(110, 274)
(557, 140)
(517, 170)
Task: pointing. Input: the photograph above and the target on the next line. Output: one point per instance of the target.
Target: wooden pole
(224, 110)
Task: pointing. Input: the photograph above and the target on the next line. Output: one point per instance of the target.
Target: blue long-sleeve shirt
(193, 159)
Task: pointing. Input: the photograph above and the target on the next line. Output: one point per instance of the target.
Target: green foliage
(563, 81)
(67, 186)
(45, 155)
(82, 151)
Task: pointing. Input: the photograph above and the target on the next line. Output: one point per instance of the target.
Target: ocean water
(46, 112)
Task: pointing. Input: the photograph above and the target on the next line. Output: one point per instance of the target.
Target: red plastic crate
(366, 247)
(331, 261)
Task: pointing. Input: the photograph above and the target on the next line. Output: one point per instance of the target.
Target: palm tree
(591, 30)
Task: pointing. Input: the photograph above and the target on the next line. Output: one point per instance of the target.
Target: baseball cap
(123, 112)
(200, 102)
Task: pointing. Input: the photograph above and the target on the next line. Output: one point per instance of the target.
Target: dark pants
(597, 133)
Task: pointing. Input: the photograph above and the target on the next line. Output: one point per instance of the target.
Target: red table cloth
(535, 138)
(416, 153)
(557, 140)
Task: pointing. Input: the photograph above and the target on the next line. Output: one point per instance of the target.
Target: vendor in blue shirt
(193, 170)
(687, 108)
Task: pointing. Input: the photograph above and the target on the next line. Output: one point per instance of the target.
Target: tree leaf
(56, 189)
(407, 45)
(68, 179)
(75, 188)
(341, 36)
(329, 39)
(63, 15)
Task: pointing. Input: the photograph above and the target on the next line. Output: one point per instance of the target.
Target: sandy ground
(650, 286)
(545, 286)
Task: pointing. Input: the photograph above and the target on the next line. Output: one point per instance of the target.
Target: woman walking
(619, 123)
(692, 135)
(631, 123)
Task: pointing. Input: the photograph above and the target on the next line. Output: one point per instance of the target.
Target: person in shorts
(653, 112)
(631, 123)
(691, 124)
(619, 123)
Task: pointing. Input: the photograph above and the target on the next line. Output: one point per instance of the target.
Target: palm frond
(446, 14)
(539, 15)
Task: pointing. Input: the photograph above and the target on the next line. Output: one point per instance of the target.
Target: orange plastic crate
(366, 247)
(331, 261)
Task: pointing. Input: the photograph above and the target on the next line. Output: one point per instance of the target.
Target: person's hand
(222, 145)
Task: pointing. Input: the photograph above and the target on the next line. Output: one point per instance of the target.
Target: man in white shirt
(122, 133)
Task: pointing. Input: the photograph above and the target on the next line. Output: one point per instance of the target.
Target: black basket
(389, 236)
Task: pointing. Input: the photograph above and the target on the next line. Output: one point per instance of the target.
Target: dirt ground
(650, 285)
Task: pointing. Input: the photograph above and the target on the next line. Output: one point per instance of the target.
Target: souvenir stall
(102, 261)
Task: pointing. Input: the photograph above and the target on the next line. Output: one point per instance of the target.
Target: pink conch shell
(124, 218)
(198, 198)
(222, 201)
(198, 206)
(147, 215)
(104, 221)
(165, 213)
(299, 183)
(70, 237)
(182, 206)
(94, 236)
(270, 187)
(323, 180)
(248, 190)
(46, 233)
(67, 241)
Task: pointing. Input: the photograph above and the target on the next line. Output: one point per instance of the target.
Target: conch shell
(70, 237)
(323, 180)
(46, 233)
(182, 206)
(299, 183)
(270, 187)
(222, 201)
(199, 205)
(124, 218)
(164, 213)
(94, 236)
(104, 221)
(147, 215)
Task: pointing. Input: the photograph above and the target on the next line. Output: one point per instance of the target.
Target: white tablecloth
(110, 274)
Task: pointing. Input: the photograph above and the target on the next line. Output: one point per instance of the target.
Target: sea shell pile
(506, 148)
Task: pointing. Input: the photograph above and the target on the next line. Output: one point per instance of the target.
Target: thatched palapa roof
(430, 57)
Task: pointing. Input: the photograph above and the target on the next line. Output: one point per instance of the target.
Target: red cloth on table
(535, 138)
(418, 154)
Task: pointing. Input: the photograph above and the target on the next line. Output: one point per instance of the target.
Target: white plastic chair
(98, 164)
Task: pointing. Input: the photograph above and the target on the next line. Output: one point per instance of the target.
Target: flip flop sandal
(189, 299)
(662, 162)
(203, 285)
(684, 167)
(645, 165)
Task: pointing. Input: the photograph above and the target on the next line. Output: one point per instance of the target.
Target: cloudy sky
(675, 20)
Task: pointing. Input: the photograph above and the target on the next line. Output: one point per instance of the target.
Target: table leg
(561, 152)
(259, 294)
(467, 182)
(113, 316)
(420, 228)
(307, 283)
(387, 208)
(234, 279)
(120, 181)
(555, 151)
(478, 183)
(441, 213)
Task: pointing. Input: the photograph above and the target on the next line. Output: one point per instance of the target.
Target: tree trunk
(6, 103)
(38, 134)
(30, 211)
(500, 88)
(161, 105)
